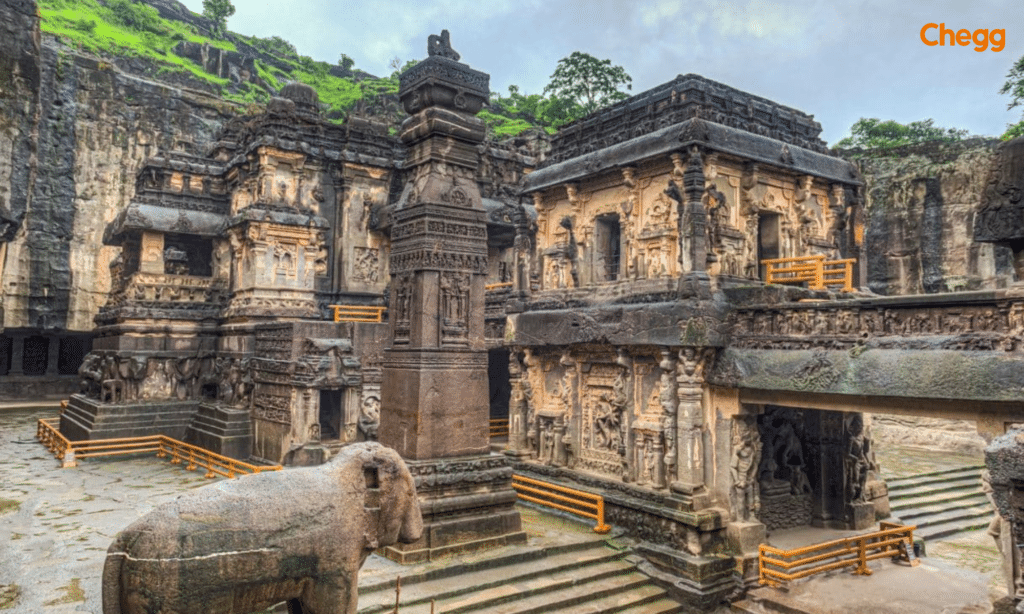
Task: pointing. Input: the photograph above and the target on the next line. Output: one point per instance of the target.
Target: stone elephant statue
(243, 545)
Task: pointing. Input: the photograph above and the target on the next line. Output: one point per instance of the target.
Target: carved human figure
(857, 464)
(547, 445)
(607, 423)
(745, 460)
(369, 417)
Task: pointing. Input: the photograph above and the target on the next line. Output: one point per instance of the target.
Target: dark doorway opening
(500, 388)
(608, 245)
(331, 412)
(769, 235)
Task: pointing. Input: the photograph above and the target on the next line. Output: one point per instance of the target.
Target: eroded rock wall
(920, 203)
(89, 129)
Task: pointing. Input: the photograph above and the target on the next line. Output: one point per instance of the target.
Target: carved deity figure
(607, 423)
(857, 464)
(745, 460)
(369, 417)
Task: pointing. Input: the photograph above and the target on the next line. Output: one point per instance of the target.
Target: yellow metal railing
(499, 427)
(891, 541)
(817, 272)
(69, 452)
(561, 498)
(358, 313)
(497, 286)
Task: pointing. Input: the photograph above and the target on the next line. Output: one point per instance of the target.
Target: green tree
(1014, 86)
(218, 12)
(586, 82)
(874, 133)
(346, 62)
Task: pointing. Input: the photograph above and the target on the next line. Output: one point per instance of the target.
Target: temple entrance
(608, 246)
(769, 235)
(332, 411)
(498, 383)
(817, 469)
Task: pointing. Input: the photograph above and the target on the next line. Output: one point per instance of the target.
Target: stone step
(658, 606)
(590, 595)
(958, 483)
(453, 581)
(938, 531)
(937, 504)
(971, 515)
(933, 477)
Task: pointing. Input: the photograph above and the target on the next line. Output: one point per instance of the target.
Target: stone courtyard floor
(56, 524)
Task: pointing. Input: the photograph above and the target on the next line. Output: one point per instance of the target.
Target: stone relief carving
(366, 267)
(857, 461)
(746, 458)
(369, 416)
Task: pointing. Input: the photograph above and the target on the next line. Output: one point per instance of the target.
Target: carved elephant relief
(240, 546)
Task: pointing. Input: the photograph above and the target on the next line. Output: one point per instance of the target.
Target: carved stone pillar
(53, 355)
(434, 405)
(17, 354)
(1004, 458)
(690, 426)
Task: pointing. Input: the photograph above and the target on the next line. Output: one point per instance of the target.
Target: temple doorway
(332, 412)
(769, 235)
(498, 383)
(817, 469)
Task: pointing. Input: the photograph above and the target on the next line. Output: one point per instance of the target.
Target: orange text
(981, 38)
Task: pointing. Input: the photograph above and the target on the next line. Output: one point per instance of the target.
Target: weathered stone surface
(1004, 458)
(221, 548)
(919, 204)
(95, 127)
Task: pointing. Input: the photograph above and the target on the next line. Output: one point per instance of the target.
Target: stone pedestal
(434, 390)
(467, 504)
(224, 430)
(89, 419)
(744, 539)
(860, 515)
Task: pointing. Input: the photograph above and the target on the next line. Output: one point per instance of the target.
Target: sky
(838, 60)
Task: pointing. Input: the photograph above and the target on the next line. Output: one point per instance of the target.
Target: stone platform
(88, 419)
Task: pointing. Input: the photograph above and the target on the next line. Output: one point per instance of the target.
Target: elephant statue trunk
(298, 535)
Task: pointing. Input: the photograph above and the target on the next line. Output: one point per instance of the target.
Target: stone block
(745, 537)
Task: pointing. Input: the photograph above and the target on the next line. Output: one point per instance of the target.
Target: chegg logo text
(937, 34)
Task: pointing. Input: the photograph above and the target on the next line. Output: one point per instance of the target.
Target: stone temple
(604, 293)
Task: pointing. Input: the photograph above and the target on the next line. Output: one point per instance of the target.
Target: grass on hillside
(129, 28)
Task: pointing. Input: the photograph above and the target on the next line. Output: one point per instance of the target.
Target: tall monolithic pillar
(434, 393)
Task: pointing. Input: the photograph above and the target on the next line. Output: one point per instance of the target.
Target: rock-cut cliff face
(919, 230)
(73, 132)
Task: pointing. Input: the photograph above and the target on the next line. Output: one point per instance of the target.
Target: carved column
(17, 354)
(434, 405)
(690, 426)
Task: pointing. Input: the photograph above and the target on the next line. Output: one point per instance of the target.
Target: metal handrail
(504, 284)
(583, 503)
(891, 541)
(499, 427)
(815, 270)
(358, 313)
(68, 452)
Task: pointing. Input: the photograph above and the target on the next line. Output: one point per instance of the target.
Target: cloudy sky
(839, 60)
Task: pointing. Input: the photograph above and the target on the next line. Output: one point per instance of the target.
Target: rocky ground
(56, 524)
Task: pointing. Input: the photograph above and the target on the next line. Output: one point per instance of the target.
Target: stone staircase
(941, 503)
(589, 577)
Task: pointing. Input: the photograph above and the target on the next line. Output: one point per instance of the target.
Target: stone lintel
(933, 375)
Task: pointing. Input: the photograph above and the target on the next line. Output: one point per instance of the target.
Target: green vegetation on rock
(9, 596)
(116, 29)
(9, 505)
(1014, 86)
(873, 133)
